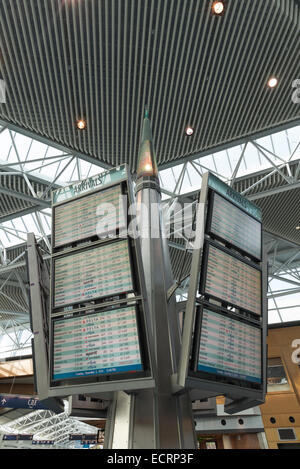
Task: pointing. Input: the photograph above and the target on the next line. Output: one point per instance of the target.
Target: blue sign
(16, 437)
(21, 402)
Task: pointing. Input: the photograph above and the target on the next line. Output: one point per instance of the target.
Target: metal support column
(39, 286)
(154, 419)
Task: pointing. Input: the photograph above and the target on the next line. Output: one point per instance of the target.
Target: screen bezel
(238, 257)
(195, 373)
(86, 249)
(211, 233)
(105, 377)
(93, 193)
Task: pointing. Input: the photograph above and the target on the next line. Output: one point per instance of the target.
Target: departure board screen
(229, 347)
(96, 344)
(232, 281)
(102, 271)
(101, 213)
(235, 226)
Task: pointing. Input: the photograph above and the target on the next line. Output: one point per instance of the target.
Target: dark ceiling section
(105, 60)
(278, 195)
(16, 198)
(281, 215)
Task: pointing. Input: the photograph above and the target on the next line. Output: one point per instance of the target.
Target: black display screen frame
(124, 191)
(115, 376)
(214, 377)
(203, 277)
(86, 249)
(213, 235)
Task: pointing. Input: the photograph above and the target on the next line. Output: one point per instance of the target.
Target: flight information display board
(102, 343)
(229, 348)
(101, 213)
(94, 273)
(230, 280)
(231, 224)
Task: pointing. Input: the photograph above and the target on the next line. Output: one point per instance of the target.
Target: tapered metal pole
(155, 419)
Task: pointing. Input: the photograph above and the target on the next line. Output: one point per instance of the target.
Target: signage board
(102, 214)
(25, 437)
(98, 331)
(12, 437)
(43, 442)
(227, 347)
(20, 402)
(102, 343)
(234, 226)
(97, 272)
(98, 181)
(219, 186)
(230, 279)
(92, 438)
(224, 332)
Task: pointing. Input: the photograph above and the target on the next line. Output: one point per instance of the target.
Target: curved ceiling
(105, 60)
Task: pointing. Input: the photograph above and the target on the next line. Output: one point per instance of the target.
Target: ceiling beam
(22, 213)
(26, 197)
(230, 144)
(277, 190)
(53, 144)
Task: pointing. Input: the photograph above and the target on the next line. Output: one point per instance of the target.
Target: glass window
(277, 379)
(211, 445)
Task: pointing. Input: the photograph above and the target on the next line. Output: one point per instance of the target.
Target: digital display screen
(235, 226)
(101, 213)
(232, 281)
(94, 273)
(96, 344)
(229, 347)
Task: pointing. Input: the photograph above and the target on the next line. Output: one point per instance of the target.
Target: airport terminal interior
(178, 120)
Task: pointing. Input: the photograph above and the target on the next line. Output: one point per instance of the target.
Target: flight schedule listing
(233, 281)
(235, 226)
(102, 214)
(229, 348)
(96, 344)
(93, 273)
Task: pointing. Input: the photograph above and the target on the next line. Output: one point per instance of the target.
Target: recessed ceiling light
(298, 228)
(189, 131)
(218, 8)
(273, 82)
(81, 124)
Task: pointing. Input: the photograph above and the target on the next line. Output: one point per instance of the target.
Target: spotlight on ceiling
(298, 228)
(218, 8)
(81, 124)
(189, 131)
(273, 82)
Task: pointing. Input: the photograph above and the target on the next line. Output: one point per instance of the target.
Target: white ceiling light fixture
(189, 131)
(81, 124)
(273, 82)
(218, 8)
